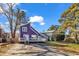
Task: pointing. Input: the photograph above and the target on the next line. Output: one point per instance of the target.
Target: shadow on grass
(48, 50)
(25, 53)
(57, 44)
(66, 47)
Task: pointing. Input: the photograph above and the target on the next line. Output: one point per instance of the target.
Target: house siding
(29, 31)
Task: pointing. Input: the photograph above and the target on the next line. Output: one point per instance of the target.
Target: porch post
(50, 38)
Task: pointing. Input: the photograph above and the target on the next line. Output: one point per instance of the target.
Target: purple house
(28, 33)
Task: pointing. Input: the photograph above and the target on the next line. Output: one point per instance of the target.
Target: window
(24, 29)
(39, 37)
(33, 36)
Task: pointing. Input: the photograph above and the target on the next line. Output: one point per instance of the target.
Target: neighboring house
(7, 37)
(28, 33)
(49, 33)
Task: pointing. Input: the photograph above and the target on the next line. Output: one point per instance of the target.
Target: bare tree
(14, 16)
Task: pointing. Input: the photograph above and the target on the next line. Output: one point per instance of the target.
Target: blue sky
(49, 12)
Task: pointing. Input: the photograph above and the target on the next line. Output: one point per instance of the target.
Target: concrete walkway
(34, 49)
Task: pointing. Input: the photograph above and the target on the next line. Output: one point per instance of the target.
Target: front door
(26, 37)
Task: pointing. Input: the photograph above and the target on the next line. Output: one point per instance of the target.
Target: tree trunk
(76, 38)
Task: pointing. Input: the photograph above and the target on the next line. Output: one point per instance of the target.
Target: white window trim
(24, 29)
(34, 36)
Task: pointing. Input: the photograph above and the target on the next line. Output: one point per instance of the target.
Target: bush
(70, 40)
(60, 37)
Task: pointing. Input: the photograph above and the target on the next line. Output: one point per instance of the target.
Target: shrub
(70, 40)
(58, 36)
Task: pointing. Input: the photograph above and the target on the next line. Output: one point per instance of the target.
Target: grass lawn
(66, 47)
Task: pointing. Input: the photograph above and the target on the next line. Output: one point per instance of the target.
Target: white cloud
(42, 23)
(38, 19)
